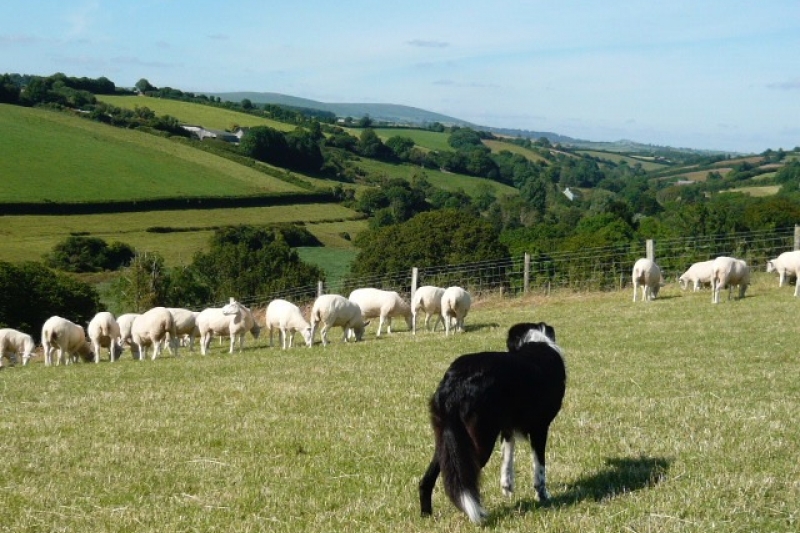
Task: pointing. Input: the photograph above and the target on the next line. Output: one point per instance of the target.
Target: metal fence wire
(592, 269)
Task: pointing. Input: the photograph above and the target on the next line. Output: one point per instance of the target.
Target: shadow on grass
(620, 476)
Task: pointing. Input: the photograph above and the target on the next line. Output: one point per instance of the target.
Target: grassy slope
(693, 432)
(499, 146)
(197, 114)
(29, 237)
(648, 166)
(59, 157)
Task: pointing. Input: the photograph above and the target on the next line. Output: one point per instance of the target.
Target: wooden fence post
(797, 237)
(414, 280)
(319, 289)
(526, 275)
(651, 253)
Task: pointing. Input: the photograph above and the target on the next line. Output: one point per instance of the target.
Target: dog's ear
(516, 336)
(548, 330)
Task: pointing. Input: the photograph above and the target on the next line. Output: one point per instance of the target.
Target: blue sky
(711, 74)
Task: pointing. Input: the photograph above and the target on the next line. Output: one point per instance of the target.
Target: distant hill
(400, 114)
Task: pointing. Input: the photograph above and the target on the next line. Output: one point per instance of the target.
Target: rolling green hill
(190, 113)
(63, 158)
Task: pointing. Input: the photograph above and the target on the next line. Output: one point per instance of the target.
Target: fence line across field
(606, 268)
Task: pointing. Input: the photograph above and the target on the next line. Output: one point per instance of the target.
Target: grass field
(430, 140)
(680, 416)
(27, 238)
(197, 114)
(58, 157)
(648, 166)
(499, 146)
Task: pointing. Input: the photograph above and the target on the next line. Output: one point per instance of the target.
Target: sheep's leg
(380, 325)
(797, 285)
(414, 323)
(270, 335)
(323, 334)
(507, 469)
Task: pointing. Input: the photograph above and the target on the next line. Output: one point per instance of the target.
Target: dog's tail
(460, 467)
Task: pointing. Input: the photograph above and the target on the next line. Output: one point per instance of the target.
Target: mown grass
(217, 118)
(679, 416)
(52, 156)
(618, 158)
(27, 238)
(429, 140)
(499, 146)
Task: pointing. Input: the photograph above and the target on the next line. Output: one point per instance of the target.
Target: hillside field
(58, 157)
(218, 118)
(679, 416)
(27, 238)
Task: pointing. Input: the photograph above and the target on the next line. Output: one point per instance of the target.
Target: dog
(489, 394)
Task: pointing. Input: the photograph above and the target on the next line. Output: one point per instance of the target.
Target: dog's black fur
(488, 394)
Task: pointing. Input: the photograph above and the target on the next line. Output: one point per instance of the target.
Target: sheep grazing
(698, 274)
(67, 338)
(153, 327)
(727, 272)
(13, 342)
(104, 333)
(376, 303)
(647, 275)
(334, 310)
(455, 306)
(125, 323)
(787, 264)
(287, 318)
(185, 324)
(241, 321)
(428, 299)
(214, 321)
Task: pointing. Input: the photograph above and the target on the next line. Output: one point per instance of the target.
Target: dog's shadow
(620, 476)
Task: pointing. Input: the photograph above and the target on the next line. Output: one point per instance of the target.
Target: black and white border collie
(483, 395)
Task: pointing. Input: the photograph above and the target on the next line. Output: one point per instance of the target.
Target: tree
(144, 86)
(265, 144)
(78, 253)
(401, 146)
(144, 283)
(32, 293)
(444, 237)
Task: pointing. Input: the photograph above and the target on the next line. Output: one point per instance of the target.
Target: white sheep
(647, 275)
(103, 332)
(787, 264)
(153, 327)
(214, 321)
(287, 318)
(125, 323)
(66, 337)
(13, 342)
(429, 299)
(727, 272)
(455, 306)
(377, 303)
(697, 274)
(334, 310)
(185, 324)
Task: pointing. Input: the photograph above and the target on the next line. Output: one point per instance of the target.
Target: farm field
(498, 146)
(58, 157)
(430, 140)
(443, 180)
(648, 166)
(680, 416)
(217, 118)
(27, 238)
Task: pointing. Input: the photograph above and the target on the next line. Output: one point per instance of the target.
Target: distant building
(206, 133)
(570, 194)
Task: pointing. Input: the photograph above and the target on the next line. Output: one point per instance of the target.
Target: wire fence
(592, 269)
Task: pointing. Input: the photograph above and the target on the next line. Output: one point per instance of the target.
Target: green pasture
(27, 238)
(647, 164)
(499, 146)
(217, 118)
(679, 416)
(429, 140)
(443, 180)
(52, 156)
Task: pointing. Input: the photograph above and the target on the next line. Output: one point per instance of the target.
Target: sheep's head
(771, 266)
(683, 283)
(306, 332)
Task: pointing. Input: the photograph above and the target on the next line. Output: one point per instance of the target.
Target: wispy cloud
(135, 61)
(468, 85)
(425, 43)
(791, 85)
(218, 37)
(79, 21)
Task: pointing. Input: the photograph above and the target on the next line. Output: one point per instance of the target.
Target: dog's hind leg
(538, 444)
(507, 468)
(426, 485)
